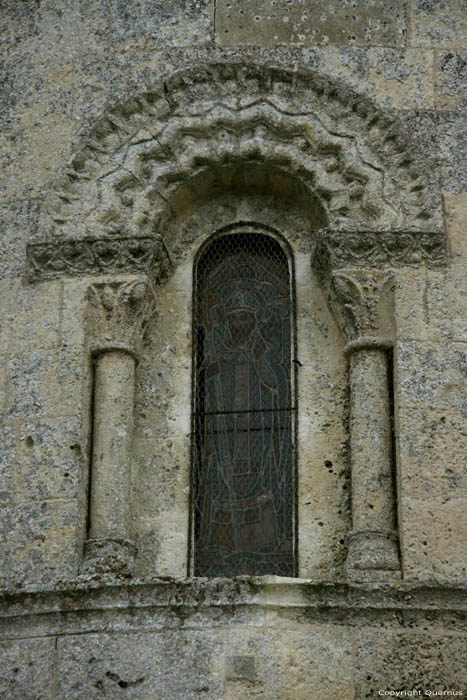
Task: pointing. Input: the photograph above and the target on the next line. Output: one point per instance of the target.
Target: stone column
(117, 315)
(362, 301)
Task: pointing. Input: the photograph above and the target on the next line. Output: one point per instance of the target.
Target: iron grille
(243, 422)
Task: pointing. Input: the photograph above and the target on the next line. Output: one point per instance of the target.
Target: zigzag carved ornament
(213, 127)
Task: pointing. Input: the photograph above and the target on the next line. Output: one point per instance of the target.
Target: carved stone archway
(229, 126)
(147, 157)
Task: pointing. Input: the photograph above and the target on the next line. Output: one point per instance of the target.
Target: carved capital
(362, 300)
(118, 313)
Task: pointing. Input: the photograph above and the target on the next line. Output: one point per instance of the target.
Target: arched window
(243, 475)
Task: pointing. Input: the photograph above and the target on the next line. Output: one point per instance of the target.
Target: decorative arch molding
(234, 126)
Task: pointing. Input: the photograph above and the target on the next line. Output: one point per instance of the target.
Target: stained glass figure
(243, 421)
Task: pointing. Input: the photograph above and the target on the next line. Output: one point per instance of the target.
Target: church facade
(233, 372)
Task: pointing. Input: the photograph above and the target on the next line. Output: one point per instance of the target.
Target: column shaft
(109, 548)
(113, 430)
(373, 542)
(370, 439)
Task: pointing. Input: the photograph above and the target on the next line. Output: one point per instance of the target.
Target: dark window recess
(243, 423)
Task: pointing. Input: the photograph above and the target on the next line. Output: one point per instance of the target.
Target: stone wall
(359, 130)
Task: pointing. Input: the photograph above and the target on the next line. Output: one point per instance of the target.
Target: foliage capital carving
(362, 299)
(119, 311)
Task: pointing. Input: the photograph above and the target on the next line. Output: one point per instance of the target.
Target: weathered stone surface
(294, 22)
(29, 669)
(421, 300)
(42, 541)
(456, 213)
(412, 662)
(452, 140)
(451, 80)
(437, 23)
(435, 529)
(427, 379)
(443, 433)
(17, 221)
(173, 665)
(152, 24)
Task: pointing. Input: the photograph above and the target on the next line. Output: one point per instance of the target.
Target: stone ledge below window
(170, 604)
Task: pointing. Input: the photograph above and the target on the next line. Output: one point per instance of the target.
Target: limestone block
(174, 665)
(394, 77)
(53, 32)
(385, 661)
(401, 79)
(41, 541)
(432, 446)
(36, 316)
(95, 87)
(293, 664)
(42, 379)
(323, 473)
(410, 305)
(50, 460)
(437, 23)
(93, 27)
(170, 403)
(38, 125)
(29, 669)
(72, 329)
(452, 143)
(28, 374)
(431, 305)
(17, 24)
(239, 662)
(17, 221)
(225, 208)
(434, 532)
(447, 302)
(456, 216)
(427, 377)
(451, 80)
(170, 328)
(8, 443)
(5, 346)
(160, 474)
(309, 23)
(151, 24)
(163, 543)
(147, 535)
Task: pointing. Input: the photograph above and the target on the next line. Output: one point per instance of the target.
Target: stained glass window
(243, 422)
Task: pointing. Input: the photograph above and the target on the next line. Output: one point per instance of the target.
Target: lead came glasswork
(243, 420)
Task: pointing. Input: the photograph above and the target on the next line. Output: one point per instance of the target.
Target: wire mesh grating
(243, 422)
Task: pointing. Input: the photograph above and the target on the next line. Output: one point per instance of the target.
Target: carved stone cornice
(96, 256)
(361, 300)
(337, 249)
